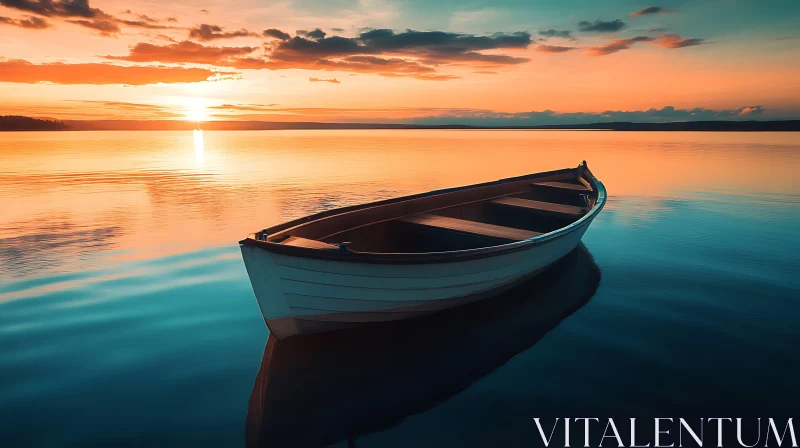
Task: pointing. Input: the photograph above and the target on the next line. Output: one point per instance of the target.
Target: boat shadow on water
(320, 389)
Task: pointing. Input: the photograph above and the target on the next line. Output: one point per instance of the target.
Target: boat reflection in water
(320, 389)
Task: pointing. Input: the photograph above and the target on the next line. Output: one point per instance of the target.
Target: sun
(196, 109)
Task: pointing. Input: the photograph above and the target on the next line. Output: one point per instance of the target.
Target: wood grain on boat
(472, 227)
(540, 206)
(564, 186)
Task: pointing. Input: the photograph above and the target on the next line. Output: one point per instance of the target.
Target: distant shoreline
(18, 123)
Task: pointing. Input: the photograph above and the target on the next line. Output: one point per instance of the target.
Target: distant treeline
(738, 126)
(20, 123)
(130, 125)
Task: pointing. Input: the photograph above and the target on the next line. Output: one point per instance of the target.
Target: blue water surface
(127, 318)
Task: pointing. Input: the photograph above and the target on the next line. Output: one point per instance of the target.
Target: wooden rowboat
(409, 256)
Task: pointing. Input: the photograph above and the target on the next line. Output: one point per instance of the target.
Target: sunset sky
(500, 62)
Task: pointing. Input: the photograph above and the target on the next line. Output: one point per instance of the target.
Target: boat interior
(483, 215)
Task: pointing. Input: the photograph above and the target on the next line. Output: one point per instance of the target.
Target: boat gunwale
(429, 257)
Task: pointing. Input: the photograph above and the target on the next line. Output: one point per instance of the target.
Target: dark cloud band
(556, 33)
(382, 51)
(648, 10)
(78, 12)
(31, 22)
(206, 32)
(599, 26)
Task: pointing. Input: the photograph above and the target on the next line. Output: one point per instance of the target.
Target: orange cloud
(356, 64)
(388, 67)
(751, 110)
(648, 10)
(106, 28)
(31, 22)
(554, 49)
(332, 81)
(244, 107)
(185, 51)
(666, 40)
(676, 41)
(21, 71)
(617, 45)
(128, 110)
(148, 23)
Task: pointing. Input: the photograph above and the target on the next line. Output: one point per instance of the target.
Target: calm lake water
(127, 318)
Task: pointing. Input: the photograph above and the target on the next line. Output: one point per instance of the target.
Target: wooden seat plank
(472, 227)
(564, 186)
(539, 206)
(305, 242)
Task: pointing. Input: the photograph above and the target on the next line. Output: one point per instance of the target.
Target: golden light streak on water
(199, 149)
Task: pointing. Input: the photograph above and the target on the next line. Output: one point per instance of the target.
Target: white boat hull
(300, 295)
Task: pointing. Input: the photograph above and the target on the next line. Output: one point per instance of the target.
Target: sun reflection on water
(199, 150)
